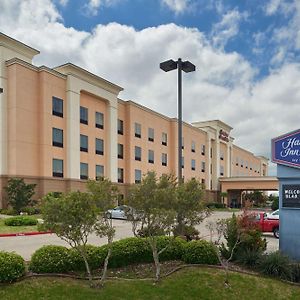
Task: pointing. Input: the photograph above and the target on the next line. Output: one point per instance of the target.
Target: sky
(246, 55)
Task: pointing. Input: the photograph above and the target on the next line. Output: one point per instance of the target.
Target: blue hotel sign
(286, 149)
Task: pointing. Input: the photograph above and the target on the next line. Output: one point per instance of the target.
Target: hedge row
(58, 259)
(21, 221)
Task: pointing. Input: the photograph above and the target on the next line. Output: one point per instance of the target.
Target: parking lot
(26, 245)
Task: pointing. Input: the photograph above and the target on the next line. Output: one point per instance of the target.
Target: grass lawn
(191, 283)
(15, 229)
(233, 210)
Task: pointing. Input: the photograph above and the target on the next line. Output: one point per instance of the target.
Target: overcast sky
(246, 54)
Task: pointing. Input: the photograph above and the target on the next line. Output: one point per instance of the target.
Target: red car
(267, 225)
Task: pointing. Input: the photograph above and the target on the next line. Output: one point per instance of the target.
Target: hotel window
(182, 143)
(84, 143)
(120, 151)
(236, 161)
(246, 164)
(203, 166)
(250, 165)
(57, 167)
(193, 165)
(150, 134)
(203, 181)
(164, 139)
(137, 130)
(120, 127)
(138, 153)
(99, 120)
(99, 146)
(203, 149)
(57, 137)
(221, 170)
(182, 162)
(137, 176)
(164, 159)
(222, 155)
(151, 156)
(83, 115)
(211, 153)
(120, 175)
(57, 107)
(242, 163)
(99, 172)
(84, 171)
(193, 149)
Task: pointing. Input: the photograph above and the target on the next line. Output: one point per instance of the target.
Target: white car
(123, 212)
(273, 215)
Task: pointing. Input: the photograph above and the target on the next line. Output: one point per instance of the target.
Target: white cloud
(271, 7)
(177, 6)
(92, 7)
(223, 86)
(227, 28)
(63, 2)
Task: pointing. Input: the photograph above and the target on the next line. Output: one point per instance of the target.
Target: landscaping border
(24, 233)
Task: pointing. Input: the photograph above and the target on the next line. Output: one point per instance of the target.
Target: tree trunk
(87, 267)
(153, 245)
(106, 262)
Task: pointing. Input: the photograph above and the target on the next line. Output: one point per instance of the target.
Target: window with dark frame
(57, 107)
(84, 143)
(150, 156)
(138, 176)
(120, 175)
(99, 120)
(99, 172)
(120, 127)
(182, 162)
(221, 170)
(203, 166)
(193, 164)
(203, 149)
(137, 130)
(84, 171)
(164, 159)
(150, 134)
(57, 137)
(99, 146)
(57, 167)
(193, 147)
(138, 153)
(164, 139)
(221, 155)
(120, 151)
(84, 115)
(182, 143)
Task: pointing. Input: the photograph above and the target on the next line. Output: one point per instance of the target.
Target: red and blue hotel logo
(286, 149)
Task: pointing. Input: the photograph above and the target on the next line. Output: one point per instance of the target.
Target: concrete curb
(24, 233)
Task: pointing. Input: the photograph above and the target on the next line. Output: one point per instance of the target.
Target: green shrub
(20, 221)
(51, 259)
(129, 251)
(31, 210)
(275, 203)
(8, 211)
(216, 205)
(12, 266)
(200, 252)
(295, 269)
(95, 257)
(174, 251)
(249, 257)
(277, 265)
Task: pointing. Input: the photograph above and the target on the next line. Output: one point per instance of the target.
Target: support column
(73, 135)
(208, 168)
(229, 158)
(113, 143)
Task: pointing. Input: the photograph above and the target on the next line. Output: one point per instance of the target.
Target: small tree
(190, 208)
(153, 202)
(72, 217)
(105, 195)
(19, 193)
(223, 195)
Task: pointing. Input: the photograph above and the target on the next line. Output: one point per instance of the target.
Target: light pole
(187, 67)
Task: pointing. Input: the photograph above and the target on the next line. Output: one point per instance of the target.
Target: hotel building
(60, 126)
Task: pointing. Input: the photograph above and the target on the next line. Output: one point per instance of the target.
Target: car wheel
(276, 232)
(108, 215)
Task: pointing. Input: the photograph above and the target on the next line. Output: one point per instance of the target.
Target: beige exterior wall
(26, 148)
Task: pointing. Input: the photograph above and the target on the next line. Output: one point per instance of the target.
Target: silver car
(123, 212)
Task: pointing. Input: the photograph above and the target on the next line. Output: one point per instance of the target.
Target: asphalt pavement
(26, 245)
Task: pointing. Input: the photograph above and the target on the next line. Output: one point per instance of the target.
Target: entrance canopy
(234, 186)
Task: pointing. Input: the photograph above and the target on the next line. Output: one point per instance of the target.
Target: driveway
(26, 245)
